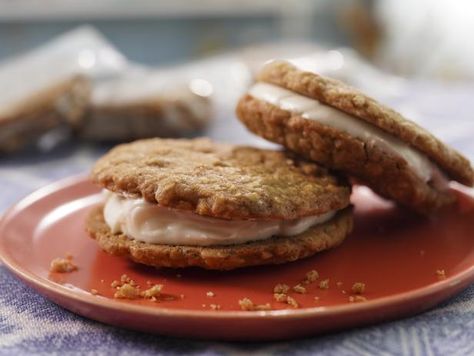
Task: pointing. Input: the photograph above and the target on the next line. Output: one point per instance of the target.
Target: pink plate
(396, 254)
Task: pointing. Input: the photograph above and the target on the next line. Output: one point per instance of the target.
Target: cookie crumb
(102, 281)
(94, 291)
(357, 299)
(115, 284)
(292, 302)
(210, 294)
(316, 299)
(324, 284)
(280, 297)
(154, 291)
(127, 291)
(311, 277)
(181, 296)
(247, 305)
(62, 265)
(281, 288)
(358, 287)
(344, 292)
(441, 274)
(299, 289)
(203, 305)
(339, 284)
(215, 306)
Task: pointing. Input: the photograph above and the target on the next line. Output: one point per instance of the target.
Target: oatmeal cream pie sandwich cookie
(340, 128)
(179, 203)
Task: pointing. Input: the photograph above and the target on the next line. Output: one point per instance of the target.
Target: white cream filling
(312, 109)
(154, 224)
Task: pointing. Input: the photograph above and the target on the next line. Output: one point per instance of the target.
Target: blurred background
(421, 38)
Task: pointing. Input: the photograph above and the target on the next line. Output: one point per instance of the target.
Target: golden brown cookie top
(220, 180)
(350, 100)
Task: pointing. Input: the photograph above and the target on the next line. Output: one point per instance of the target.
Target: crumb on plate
(292, 302)
(127, 291)
(357, 299)
(358, 287)
(441, 274)
(280, 297)
(299, 289)
(324, 284)
(247, 305)
(152, 292)
(62, 265)
(311, 276)
(281, 288)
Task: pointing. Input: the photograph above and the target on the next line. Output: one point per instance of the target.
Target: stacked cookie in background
(337, 126)
(182, 203)
(80, 82)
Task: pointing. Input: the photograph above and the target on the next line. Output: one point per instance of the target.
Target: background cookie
(146, 104)
(387, 173)
(63, 101)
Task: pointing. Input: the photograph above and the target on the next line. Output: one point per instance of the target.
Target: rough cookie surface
(387, 174)
(224, 181)
(350, 100)
(271, 251)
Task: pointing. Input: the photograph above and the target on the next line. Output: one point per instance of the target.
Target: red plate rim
(40, 284)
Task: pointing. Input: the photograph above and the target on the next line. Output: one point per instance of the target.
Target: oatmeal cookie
(384, 170)
(274, 250)
(220, 180)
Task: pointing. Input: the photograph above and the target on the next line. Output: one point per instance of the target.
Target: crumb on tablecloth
(210, 294)
(94, 291)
